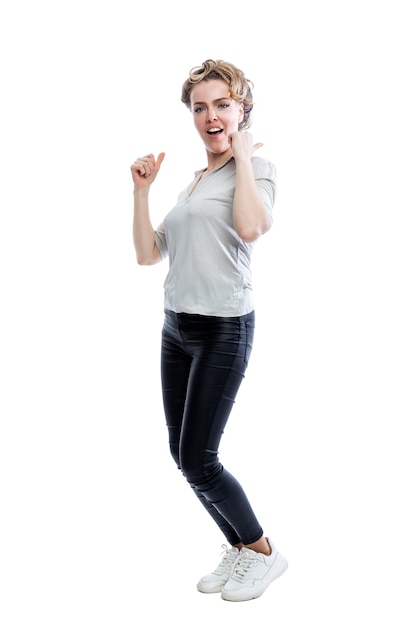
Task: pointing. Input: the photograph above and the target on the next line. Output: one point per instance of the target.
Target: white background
(97, 525)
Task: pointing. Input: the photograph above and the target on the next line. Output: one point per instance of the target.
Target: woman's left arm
(250, 215)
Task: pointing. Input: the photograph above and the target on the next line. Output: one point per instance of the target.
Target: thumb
(161, 157)
(256, 146)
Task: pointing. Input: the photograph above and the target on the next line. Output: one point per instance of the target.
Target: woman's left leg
(220, 349)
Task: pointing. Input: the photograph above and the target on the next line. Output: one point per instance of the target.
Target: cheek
(236, 118)
(196, 124)
(234, 122)
(198, 120)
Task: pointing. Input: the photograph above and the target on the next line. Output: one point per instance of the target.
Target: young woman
(209, 322)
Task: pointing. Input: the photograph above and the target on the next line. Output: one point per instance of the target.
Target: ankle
(262, 546)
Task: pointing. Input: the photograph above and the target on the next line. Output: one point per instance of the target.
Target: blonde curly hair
(240, 86)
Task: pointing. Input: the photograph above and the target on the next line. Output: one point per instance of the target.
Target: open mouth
(214, 131)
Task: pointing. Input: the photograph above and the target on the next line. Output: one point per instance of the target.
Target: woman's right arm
(144, 171)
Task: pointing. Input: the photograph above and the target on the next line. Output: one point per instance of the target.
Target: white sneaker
(252, 573)
(214, 582)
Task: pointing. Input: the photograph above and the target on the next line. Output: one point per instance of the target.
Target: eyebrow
(217, 100)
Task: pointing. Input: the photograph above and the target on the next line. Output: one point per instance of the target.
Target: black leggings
(203, 362)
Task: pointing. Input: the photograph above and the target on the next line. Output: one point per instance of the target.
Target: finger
(256, 146)
(161, 157)
(140, 167)
(146, 166)
(148, 163)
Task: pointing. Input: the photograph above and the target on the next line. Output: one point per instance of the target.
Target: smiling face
(216, 115)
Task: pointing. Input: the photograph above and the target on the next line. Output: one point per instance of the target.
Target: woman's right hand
(145, 169)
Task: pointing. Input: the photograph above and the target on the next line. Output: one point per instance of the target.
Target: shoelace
(243, 566)
(227, 561)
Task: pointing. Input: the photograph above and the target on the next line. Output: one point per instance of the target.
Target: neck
(214, 161)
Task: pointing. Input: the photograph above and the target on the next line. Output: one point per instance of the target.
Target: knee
(198, 471)
(190, 467)
(173, 448)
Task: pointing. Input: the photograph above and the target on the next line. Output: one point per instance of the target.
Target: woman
(209, 312)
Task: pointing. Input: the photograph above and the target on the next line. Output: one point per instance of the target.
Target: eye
(224, 105)
(198, 109)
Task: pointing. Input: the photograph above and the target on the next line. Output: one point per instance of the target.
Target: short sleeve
(161, 240)
(266, 182)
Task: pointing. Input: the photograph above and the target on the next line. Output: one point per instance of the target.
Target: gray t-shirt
(209, 265)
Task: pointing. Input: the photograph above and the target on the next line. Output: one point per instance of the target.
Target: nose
(211, 115)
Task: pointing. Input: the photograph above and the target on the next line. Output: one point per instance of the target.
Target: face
(216, 115)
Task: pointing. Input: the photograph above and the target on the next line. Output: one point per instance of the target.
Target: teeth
(214, 130)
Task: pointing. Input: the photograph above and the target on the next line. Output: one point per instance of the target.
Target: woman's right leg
(175, 371)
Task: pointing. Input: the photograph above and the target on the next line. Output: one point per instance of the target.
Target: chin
(218, 150)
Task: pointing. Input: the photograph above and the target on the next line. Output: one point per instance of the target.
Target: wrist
(243, 159)
(140, 192)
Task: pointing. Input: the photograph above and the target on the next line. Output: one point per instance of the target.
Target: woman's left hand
(242, 145)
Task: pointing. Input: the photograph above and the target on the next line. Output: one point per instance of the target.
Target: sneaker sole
(217, 589)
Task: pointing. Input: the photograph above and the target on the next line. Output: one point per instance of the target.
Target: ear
(241, 112)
